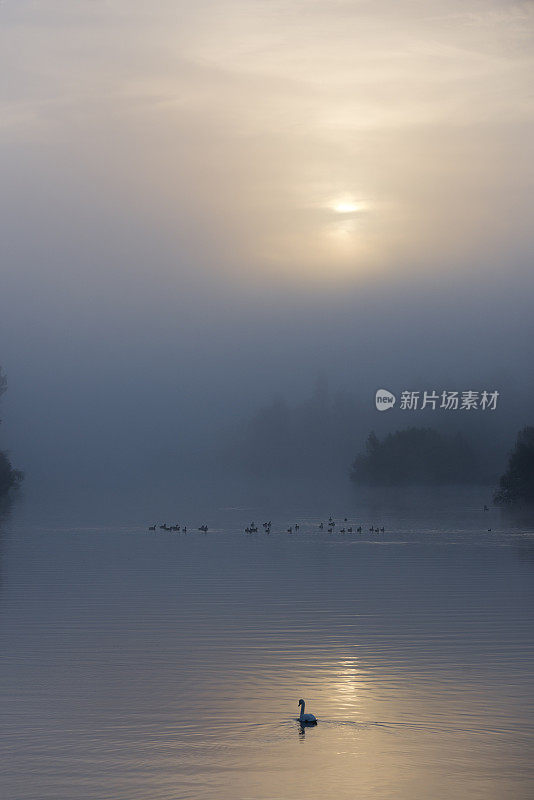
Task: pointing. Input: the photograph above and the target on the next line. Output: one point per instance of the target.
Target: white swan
(304, 719)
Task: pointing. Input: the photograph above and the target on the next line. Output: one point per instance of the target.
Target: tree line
(422, 456)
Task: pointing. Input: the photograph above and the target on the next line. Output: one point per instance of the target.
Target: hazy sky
(205, 203)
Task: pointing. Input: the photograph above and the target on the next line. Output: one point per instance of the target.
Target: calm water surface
(164, 666)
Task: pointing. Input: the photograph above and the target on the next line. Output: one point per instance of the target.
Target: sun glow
(348, 206)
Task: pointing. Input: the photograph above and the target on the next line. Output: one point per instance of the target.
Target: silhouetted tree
(9, 477)
(516, 486)
(416, 456)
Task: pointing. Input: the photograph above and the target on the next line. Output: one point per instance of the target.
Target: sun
(347, 206)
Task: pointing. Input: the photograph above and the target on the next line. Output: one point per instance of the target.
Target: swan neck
(302, 709)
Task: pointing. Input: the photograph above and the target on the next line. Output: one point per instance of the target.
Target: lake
(165, 666)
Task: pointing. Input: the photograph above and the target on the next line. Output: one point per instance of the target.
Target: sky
(207, 204)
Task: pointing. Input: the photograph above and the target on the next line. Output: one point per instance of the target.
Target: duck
(349, 530)
(152, 527)
(359, 528)
(321, 526)
(306, 719)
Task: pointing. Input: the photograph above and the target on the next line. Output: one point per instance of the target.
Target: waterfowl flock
(330, 527)
(175, 528)
(292, 528)
(171, 528)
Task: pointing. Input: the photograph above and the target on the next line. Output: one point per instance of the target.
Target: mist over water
(234, 201)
